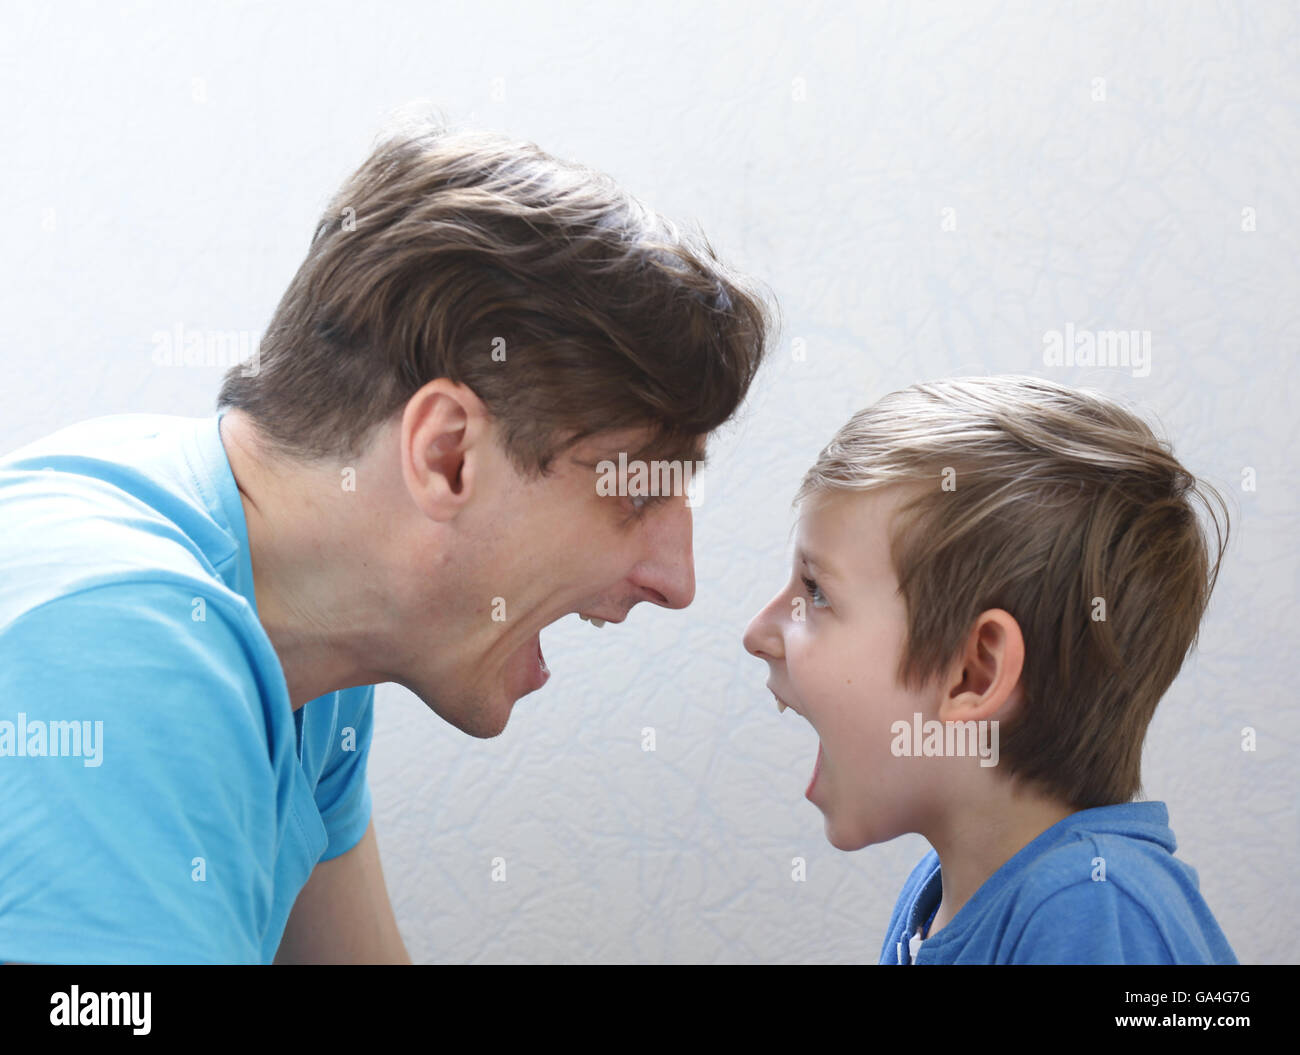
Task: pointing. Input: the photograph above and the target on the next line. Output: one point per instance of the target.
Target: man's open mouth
(535, 672)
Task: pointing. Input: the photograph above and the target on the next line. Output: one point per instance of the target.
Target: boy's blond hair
(1063, 508)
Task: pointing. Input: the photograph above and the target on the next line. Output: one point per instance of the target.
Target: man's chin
(486, 717)
(483, 721)
(471, 714)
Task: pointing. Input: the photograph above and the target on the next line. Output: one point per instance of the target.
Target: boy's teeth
(780, 707)
(592, 620)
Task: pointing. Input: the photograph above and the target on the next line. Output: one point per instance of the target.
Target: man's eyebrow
(699, 456)
(694, 453)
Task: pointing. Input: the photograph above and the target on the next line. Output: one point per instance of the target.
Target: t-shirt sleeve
(1090, 923)
(342, 793)
(153, 843)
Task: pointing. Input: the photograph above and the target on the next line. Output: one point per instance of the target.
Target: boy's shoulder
(1100, 886)
(1108, 889)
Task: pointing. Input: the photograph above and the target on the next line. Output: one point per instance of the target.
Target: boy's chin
(848, 840)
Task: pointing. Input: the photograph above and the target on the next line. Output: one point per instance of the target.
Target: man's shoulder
(145, 610)
(121, 456)
(93, 437)
(111, 505)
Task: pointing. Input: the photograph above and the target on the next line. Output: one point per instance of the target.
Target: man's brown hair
(560, 300)
(1061, 507)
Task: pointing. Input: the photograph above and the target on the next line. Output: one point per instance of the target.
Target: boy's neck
(982, 835)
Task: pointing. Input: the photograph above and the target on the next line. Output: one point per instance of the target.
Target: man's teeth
(780, 707)
(592, 620)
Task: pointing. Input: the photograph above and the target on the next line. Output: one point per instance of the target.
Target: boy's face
(836, 666)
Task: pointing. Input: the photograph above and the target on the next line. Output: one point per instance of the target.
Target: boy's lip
(781, 700)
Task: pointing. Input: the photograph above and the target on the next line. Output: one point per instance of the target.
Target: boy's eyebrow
(823, 568)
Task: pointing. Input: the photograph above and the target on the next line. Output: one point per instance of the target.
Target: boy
(996, 579)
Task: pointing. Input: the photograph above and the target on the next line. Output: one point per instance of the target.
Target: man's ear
(445, 427)
(986, 673)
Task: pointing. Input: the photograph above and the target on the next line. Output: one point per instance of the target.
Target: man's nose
(669, 575)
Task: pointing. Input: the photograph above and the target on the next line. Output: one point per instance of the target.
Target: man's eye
(641, 503)
(815, 593)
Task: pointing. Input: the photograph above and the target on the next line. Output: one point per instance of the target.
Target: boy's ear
(987, 671)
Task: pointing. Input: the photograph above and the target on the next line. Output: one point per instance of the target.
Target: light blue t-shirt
(160, 801)
(1099, 887)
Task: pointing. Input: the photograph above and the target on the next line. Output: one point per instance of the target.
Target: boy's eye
(815, 593)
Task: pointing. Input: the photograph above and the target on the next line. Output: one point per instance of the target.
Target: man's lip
(602, 618)
(534, 673)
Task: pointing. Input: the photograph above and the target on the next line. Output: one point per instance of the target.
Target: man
(403, 490)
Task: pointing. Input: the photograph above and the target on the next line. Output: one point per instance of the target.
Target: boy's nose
(762, 636)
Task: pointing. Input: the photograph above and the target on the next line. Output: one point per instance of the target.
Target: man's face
(523, 553)
(832, 640)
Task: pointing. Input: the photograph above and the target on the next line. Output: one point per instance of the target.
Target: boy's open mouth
(781, 705)
(817, 769)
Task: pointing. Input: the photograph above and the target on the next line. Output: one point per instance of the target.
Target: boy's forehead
(846, 534)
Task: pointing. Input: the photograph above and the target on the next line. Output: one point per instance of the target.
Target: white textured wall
(164, 166)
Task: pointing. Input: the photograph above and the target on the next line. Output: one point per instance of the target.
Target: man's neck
(305, 559)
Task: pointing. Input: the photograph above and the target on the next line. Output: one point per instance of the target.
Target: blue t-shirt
(1100, 886)
(160, 800)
